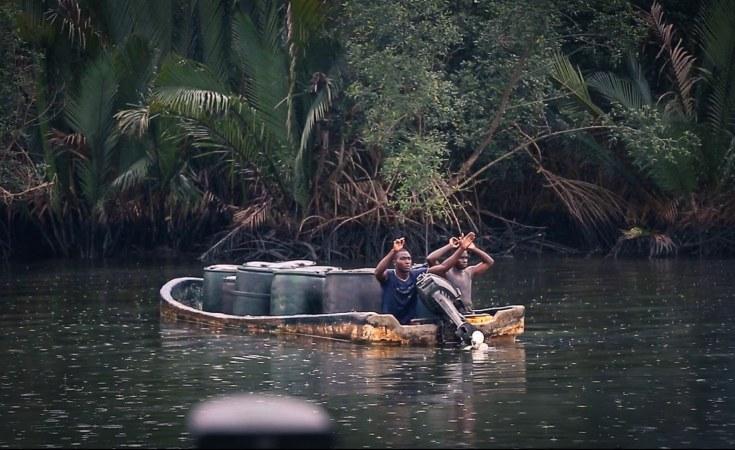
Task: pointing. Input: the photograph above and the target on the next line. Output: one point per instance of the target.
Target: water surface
(616, 354)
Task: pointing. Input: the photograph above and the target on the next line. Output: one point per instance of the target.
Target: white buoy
(478, 340)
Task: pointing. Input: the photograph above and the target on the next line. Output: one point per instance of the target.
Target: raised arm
(388, 258)
(486, 261)
(433, 258)
(464, 244)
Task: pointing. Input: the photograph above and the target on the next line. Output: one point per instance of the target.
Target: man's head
(402, 261)
(463, 261)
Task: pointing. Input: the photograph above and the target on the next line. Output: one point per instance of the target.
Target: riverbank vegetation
(292, 129)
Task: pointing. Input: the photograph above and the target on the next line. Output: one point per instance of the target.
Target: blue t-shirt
(401, 297)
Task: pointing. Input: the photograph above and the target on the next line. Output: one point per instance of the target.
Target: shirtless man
(460, 274)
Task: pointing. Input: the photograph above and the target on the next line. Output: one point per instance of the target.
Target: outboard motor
(441, 298)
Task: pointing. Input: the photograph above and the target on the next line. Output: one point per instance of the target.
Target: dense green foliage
(266, 128)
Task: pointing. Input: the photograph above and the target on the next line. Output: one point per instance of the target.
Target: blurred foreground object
(259, 421)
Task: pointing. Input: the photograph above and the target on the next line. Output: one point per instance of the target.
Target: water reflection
(397, 396)
(346, 368)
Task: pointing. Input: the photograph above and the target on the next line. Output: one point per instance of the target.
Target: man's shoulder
(390, 273)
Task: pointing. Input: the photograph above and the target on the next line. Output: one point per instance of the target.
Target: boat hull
(358, 327)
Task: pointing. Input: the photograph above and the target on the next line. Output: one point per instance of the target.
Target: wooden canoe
(181, 302)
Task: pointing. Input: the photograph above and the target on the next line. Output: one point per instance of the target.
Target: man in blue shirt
(400, 295)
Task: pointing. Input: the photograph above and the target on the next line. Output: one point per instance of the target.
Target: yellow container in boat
(478, 319)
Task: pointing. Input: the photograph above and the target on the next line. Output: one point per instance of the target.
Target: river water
(616, 354)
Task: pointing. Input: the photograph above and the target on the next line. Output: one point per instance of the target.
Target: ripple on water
(616, 353)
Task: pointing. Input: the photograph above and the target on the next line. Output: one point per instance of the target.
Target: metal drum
(250, 304)
(252, 291)
(253, 286)
(228, 294)
(352, 290)
(298, 291)
(212, 285)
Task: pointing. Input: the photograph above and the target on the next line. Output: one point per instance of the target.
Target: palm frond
(254, 215)
(662, 245)
(191, 91)
(307, 16)
(91, 187)
(573, 82)
(318, 110)
(178, 72)
(135, 64)
(303, 18)
(184, 195)
(192, 102)
(226, 134)
(72, 20)
(676, 176)
(269, 24)
(617, 89)
(134, 121)
(119, 16)
(89, 110)
(90, 113)
(640, 239)
(132, 176)
(232, 124)
(167, 153)
(681, 61)
(716, 34)
(154, 21)
(245, 139)
(591, 205)
(637, 74)
(215, 32)
(326, 90)
(266, 68)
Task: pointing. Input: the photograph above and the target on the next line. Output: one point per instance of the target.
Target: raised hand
(456, 241)
(467, 240)
(398, 244)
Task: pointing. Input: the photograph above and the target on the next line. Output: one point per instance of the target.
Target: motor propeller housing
(441, 297)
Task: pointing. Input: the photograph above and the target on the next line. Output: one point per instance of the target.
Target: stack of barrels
(259, 288)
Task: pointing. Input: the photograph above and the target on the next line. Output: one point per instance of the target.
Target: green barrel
(352, 290)
(212, 285)
(298, 291)
(228, 294)
(252, 295)
(250, 304)
(253, 288)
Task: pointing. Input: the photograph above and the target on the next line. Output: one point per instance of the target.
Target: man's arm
(448, 263)
(433, 258)
(487, 261)
(387, 259)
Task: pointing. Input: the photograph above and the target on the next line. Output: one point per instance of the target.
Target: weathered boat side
(359, 327)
